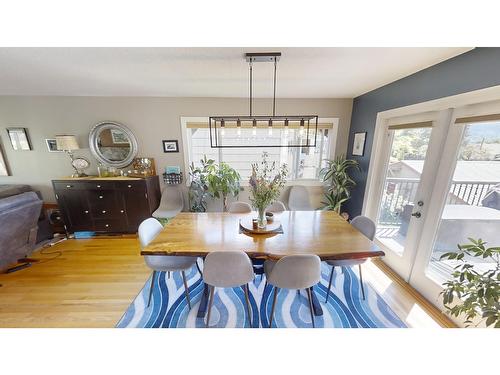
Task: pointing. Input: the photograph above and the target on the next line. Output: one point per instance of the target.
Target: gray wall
(151, 119)
(473, 70)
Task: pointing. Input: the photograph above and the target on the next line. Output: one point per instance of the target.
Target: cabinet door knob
(122, 211)
(98, 186)
(68, 186)
(86, 211)
(129, 186)
(107, 225)
(103, 211)
(100, 197)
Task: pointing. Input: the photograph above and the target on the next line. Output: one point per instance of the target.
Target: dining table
(320, 232)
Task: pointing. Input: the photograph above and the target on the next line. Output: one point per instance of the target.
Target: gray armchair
(18, 227)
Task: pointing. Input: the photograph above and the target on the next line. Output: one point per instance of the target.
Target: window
(304, 163)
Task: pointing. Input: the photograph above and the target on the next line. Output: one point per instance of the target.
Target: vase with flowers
(266, 183)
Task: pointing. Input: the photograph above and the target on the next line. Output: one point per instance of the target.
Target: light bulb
(270, 131)
(222, 131)
(238, 132)
(254, 131)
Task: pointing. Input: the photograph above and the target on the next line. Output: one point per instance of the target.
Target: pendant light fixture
(305, 125)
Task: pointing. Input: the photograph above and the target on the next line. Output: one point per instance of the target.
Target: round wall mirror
(113, 144)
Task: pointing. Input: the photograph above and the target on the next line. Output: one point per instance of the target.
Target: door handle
(417, 214)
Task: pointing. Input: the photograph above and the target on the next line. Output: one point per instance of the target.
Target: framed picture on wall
(170, 146)
(19, 139)
(52, 145)
(4, 170)
(358, 148)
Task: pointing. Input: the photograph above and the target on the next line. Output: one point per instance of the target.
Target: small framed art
(52, 145)
(19, 139)
(358, 148)
(170, 146)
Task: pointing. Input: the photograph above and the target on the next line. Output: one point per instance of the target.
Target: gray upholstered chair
(148, 230)
(276, 208)
(293, 272)
(239, 208)
(171, 203)
(298, 200)
(366, 226)
(18, 227)
(227, 269)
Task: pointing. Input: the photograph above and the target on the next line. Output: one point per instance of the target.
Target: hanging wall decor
(19, 139)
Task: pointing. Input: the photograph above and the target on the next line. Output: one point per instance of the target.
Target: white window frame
(186, 142)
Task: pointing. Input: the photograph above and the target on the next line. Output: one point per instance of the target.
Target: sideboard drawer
(133, 185)
(108, 213)
(68, 185)
(109, 225)
(102, 199)
(100, 185)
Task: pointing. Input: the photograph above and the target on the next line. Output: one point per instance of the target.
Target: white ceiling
(208, 72)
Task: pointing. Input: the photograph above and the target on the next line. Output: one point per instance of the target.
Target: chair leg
(186, 289)
(309, 297)
(198, 267)
(151, 289)
(245, 287)
(361, 282)
(329, 285)
(210, 303)
(274, 305)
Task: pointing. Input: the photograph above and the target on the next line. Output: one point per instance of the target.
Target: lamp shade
(66, 142)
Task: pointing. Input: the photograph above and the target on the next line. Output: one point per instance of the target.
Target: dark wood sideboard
(106, 205)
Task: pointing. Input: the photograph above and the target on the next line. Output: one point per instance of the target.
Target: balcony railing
(399, 192)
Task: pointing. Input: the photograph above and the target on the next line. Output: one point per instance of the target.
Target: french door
(435, 183)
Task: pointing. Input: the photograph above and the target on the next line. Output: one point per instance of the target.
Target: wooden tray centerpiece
(246, 225)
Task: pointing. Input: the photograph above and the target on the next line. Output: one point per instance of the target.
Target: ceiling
(208, 72)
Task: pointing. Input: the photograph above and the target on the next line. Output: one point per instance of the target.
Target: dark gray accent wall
(473, 70)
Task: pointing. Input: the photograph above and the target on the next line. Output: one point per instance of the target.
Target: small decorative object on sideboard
(68, 143)
(142, 167)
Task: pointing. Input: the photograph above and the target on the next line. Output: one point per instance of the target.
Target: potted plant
(198, 190)
(338, 182)
(475, 293)
(266, 183)
(222, 180)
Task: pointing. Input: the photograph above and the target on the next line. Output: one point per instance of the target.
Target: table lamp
(69, 143)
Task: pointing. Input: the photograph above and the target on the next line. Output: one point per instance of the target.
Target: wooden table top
(323, 233)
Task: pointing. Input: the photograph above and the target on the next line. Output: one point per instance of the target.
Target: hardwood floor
(93, 281)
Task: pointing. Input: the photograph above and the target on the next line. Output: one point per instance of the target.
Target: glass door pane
(472, 207)
(402, 177)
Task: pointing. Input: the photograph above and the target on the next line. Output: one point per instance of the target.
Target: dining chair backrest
(227, 269)
(276, 207)
(296, 272)
(148, 230)
(365, 225)
(171, 202)
(239, 208)
(298, 199)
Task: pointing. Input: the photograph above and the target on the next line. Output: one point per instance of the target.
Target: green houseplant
(198, 190)
(475, 293)
(222, 181)
(338, 182)
(266, 183)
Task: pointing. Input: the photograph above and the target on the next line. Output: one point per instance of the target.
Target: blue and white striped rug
(345, 307)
